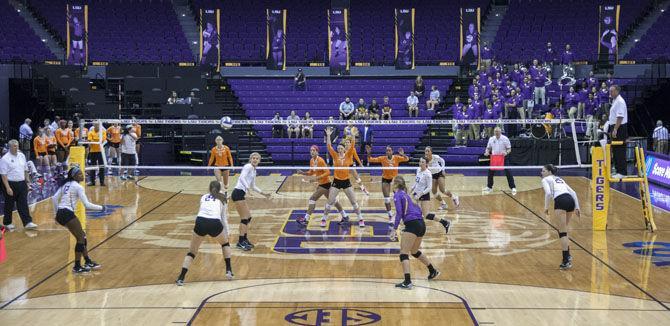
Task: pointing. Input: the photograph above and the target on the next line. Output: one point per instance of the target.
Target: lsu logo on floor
(341, 316)
(658, 252)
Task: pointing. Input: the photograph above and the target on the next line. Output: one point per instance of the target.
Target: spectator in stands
(373, 110)
(456, 107)
(549, 54)
(490, 114)
(511, 104)
(583, 96)
(307, 126)
(498, 106)
(485, 93)
(293, 124)
(434, 98)
(347, 109)
(474, 88)
(386, 109)
(610, 80)
(192, 99)
(486, 55)
(25, 137)
(413, 104)
(366, 139)
(539, 91)
(419, 87)
(300, 80)
(567, 57)
(462, 130)
(173, 99)
(590, 109)
(591, 80)
(660, 137)
(277, 126)
(361, 110)
(516, 76)
(571, 101)
(475, 109)
(527, 96)
(604, 97)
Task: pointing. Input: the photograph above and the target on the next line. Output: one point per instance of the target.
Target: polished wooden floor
(499, 263)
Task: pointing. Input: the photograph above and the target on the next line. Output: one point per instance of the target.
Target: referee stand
(602, 177)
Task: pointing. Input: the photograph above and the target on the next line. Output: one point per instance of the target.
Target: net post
(600, 188)
(576, 144)
(77, 157)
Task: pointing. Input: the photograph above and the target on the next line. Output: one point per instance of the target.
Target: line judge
(16, 185)
(499, 145)
(618, 127)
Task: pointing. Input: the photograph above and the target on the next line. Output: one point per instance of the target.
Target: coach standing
(499, 145)
(15, 183)
(25, 137)
(660, 138)
(618, 127)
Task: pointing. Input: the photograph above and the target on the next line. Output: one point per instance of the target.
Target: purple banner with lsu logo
(469, 41)
(275, 44)
(77, 34)
(404, 38)
(210, 49)
(608, 36)
(658, 169)
(338, 41)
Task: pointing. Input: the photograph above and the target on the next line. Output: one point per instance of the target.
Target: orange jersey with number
(323, 174)
(76, 132)
(394, 162)
(114, 134)
(220, 157)
(40, 145)
(51, 144)
(63, 137)
(138, 130)
(94, 136)
(345, 162)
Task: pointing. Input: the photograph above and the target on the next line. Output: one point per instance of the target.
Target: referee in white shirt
(618, 128)
(499, 145)
(660, 138)
(15, 185)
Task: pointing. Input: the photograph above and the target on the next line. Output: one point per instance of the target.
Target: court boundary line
(591, 254)
(6, 304)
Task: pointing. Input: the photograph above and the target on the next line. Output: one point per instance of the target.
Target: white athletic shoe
(486, 190)
(31, 226)
(10, 227)
(229, 275)
(513, 191)
(361, 223)
(323, 222)
(617, 176)
(457, 201)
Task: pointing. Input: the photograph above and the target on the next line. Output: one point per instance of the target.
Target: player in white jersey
(245, 183)
(421, 192)
(65, 202)
(565, 203)
(436, 167)
(212, 220)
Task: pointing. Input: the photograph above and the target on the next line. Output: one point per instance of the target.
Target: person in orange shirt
(114, 132)
(391, 163)
(95, 153)
(63, 141)
(51, 147)
(318, 170)
(342, 160)
(70, 131)
(220, 156)
(40, 147)
(357, 160)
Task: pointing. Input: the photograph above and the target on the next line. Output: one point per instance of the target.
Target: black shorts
(128, 159)
(207, 226)
(438, 175)
(341, 184)
(41, 154)
(223, 168)
(325, 186)
(63, 216)
(237, 195)
(384, 180)
(564, 202)
(114, 145)
(425, 197)
(416, 227)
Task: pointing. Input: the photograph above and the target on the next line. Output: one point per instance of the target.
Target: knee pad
(312, 202)
(404, 257)
(562, 234)
(430, 216)
(227, 244)
(387, 200)
(245, 221)
(417, 254)
(192, 255)
(79, 247)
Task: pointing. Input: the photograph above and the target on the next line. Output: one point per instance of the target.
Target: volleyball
(226, 123)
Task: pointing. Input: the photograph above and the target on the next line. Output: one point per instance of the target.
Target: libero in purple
(405, 209)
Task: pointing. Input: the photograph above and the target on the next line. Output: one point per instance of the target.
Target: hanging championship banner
(404, 38)
(77, 34)
(608, 35)
(210, 51)
(338, 41)
(275, 44)
(469, 42)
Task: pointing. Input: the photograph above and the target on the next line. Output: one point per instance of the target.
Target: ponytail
(551, 168)
(74, 170)
(215, 191)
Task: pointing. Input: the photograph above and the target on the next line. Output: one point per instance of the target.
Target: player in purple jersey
(412, 235)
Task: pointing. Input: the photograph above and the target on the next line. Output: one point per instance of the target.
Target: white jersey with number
(67, 196)
(555, 186)
(423, 182)
(247, 179)
(212, 207)
(436, 164)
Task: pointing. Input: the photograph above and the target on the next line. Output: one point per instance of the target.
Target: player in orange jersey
(342, 160)
(114, 134)
(51, 147)
(391, 163)
(63, 141)
(220, 156)
(318, 171)
(137, 129)
(40, 147)
(347, 143)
